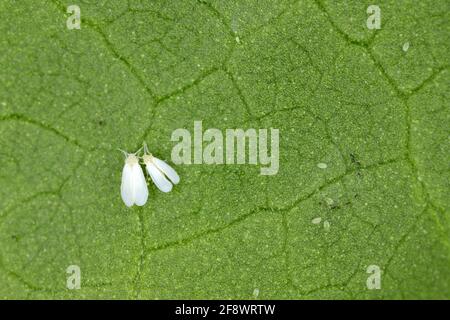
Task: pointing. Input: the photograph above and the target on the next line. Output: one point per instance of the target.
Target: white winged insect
(159, 171)
(134, 187)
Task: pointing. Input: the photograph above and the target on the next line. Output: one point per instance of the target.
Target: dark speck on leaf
(354, 160)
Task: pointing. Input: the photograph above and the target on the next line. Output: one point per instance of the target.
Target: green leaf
(341, 95)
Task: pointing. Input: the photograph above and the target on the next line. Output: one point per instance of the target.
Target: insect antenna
(136, 153)
(124, 152)
(146, 148)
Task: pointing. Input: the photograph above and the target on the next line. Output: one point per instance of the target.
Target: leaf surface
(340, 94)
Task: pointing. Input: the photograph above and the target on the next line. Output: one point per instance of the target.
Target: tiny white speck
(256, 293)
(329, 201)
(326, 225)
(405, 46)
(322, 165)
(316, 220)
(237, 40)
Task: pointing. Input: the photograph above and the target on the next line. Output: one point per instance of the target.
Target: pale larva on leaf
(134, 187)
(159, 171)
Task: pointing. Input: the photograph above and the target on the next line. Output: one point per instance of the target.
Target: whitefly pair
(134, 186)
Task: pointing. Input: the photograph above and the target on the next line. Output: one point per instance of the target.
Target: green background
(137, 70)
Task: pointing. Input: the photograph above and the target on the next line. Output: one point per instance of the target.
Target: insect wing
(126, 188)
(167, 170)
(139, 185)
(158, 178)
